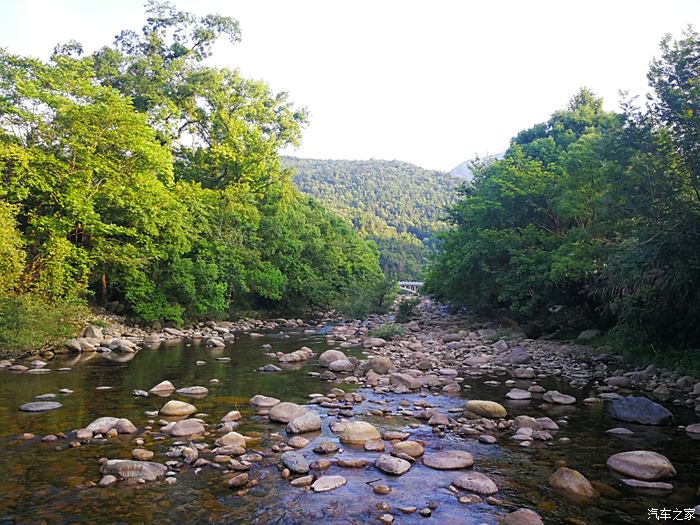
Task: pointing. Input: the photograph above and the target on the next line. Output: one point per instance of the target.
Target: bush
(28, 322)
(407, 310)
(388, 331)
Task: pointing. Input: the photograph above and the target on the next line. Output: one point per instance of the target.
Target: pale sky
(429, 82)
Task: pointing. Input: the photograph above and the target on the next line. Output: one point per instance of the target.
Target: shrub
(388, 331)
(28, 322)
(406, 310)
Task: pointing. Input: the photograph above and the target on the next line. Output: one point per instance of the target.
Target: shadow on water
(42, 485)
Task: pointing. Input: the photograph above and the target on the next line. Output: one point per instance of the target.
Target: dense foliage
(397, 205)
(141, 178)
(592, 210)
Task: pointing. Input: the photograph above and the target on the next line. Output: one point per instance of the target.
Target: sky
(432, 82)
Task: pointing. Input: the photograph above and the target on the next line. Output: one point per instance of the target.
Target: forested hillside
(595, 211)
(139, 177)
(398, 205)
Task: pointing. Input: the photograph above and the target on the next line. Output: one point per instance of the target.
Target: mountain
(464, 170)
(398, 205)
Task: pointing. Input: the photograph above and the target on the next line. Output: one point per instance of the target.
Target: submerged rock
(261, 401)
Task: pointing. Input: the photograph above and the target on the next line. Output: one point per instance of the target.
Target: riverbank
(288, 420)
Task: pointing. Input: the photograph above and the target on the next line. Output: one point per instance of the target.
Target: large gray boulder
(640, 410)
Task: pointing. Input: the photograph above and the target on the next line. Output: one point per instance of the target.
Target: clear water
(39, 484)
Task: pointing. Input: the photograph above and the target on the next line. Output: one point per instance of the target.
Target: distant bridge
(410, 286)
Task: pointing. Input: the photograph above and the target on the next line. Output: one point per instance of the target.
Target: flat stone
(656, 486)
(298, 442)
(326, 447)
(448, 460)
(476, 482)
(127, 468)
(303, 481)
(232, 439)
(40, 406)
(261, 401)
(557, 398)
(326, 483)
(518, 394)
(193, 391)
(642, 464)
(237, 481)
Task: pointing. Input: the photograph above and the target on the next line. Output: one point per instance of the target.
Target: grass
(388, 331)
(29, 323)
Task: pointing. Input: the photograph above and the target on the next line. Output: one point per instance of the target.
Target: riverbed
(52, 482)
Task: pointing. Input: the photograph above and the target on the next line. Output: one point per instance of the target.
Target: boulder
(406, 380)
(341, 365)
(410, 448)
(359, 432)
(177, 409)
(373, 342)
(589, 334)
(642, 464)
(392, 465)
(572, 482)
(164, 388)
(522, 517)
(124, 426)
(380, 365)
(476, 482)
(296, 462)
(489, 409)
(523, 373)
(517, 356)
(309, 421)
(186, 427)
(286, 412)
(640, 410)
(102, 425)
(327, 357)
(232, 439)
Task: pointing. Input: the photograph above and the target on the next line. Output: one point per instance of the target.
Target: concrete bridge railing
(411, 286)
